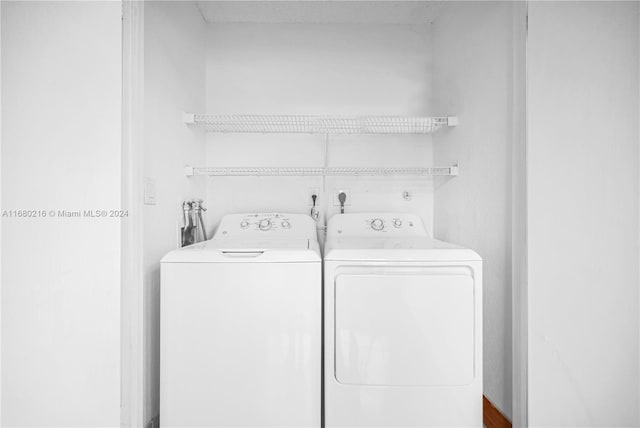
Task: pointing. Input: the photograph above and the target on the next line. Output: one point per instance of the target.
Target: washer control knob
(397, 223)
(244, 224)
(285, 224)
(377, 224)
(265, 224)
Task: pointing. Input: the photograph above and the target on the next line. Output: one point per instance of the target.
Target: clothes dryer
(402, 325)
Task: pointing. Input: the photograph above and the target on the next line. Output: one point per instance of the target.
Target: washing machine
(240, 326)
(403, 325)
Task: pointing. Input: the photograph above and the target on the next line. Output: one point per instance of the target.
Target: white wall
(473, 79)
(583, 214)
(61, 116)
(332, 69)
(174, 83)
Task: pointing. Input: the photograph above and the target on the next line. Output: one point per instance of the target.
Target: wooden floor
(492, 417)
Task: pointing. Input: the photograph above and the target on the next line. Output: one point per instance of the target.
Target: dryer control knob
(397, 223)
(265, 224)
(377, 224)
(286, 225)
(244, 224)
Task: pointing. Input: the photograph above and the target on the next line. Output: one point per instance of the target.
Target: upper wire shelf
(299, 124)
(318, 171)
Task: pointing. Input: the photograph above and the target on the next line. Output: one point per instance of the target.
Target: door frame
(132, 274)
(519, 222)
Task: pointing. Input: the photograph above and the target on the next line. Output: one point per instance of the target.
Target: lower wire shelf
(319, 171)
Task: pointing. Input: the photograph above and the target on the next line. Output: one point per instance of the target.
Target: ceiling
(320, 11)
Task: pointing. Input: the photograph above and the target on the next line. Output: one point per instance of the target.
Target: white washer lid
(242, 250)
(240, 238)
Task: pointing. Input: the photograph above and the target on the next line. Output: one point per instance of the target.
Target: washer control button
(377, 224)
(244, 224)
(397, 223)
(265, 224)
(285, 224)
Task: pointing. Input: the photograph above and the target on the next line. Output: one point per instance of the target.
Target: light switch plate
(149, 191)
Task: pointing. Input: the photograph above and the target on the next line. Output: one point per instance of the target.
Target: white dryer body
(241, 326)
(403, 326)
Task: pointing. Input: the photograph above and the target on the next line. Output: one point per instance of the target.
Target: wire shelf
(298, 124)
(253, 171)
(390, 172)
(318, 171)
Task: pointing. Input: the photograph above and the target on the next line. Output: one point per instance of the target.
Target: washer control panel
(376, 224)
(266, 224)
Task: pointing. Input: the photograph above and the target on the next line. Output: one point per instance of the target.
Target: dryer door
(400, 327)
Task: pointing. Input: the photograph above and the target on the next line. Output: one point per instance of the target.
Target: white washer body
(240, 328)
(403, 326)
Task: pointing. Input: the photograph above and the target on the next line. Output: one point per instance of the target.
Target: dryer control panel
(376, 225)
(274, 225)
